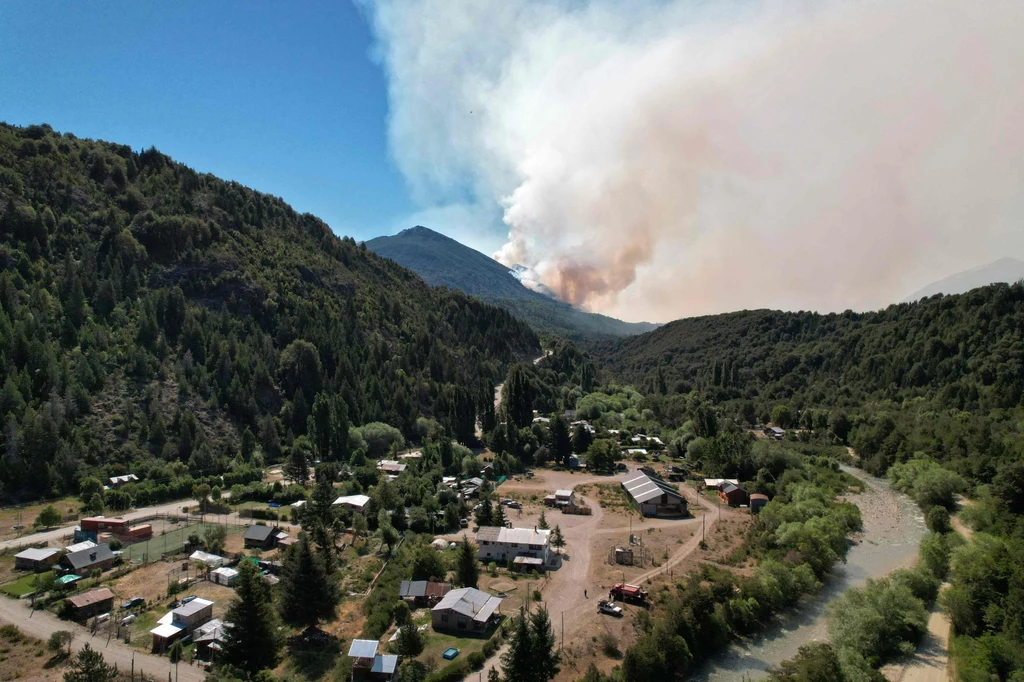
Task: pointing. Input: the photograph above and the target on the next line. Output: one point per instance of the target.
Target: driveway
(41, 624)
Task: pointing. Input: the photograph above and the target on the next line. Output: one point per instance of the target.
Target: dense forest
(153, 318)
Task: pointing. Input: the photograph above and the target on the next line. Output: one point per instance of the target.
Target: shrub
(476, 660)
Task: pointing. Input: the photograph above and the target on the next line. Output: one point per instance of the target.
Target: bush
(476, 660)
(938, 520)
(450, 673)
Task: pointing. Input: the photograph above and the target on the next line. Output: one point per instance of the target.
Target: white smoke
(663, 159)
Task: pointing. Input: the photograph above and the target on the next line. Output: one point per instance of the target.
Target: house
(412, 455)
(504, 544)
(299, 505)
(224, 576)
(652, 495)
(92, 603)
(85, 561)
(564, 498)
(359, 503)
(576, 463)
(208, 560)
(390, 466)
(36, 558)
(420, 593)
(118, 481)
(541, 420)
(757, 500)
(260, 537)
(180, 622)
(208, 638)
(774, 432)
(732, 494)
(466, 610)
(284, 541)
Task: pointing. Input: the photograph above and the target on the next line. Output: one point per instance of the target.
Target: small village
(589, 546)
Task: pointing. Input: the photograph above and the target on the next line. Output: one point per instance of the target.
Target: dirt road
(41, 624)
(932, 657)
(56, 534)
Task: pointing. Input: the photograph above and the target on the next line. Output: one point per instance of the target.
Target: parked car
(102, 618)
(609, 608)
(185, 600)
(514, 505)
(132, 603)
(507, 501)
(464, 523)
(128, 620)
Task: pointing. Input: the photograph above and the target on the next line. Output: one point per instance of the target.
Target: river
(893, 528)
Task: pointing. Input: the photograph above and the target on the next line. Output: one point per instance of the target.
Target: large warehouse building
(652, 495)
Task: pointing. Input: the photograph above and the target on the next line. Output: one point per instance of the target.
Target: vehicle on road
(609, 608)
(630, 593)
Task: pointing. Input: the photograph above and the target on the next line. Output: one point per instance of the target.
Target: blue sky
(283, 97)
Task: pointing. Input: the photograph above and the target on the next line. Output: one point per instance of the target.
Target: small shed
(36, 558)
(206, 559)
(224, 576)
(564, 497)
(92, 603)
(757, 500)
(362, 652)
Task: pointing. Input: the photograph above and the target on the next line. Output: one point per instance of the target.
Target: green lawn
(25, 584)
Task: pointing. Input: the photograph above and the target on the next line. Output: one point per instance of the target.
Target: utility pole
(562, 646)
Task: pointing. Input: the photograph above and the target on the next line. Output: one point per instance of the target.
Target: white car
(128, 620)
(610, 608)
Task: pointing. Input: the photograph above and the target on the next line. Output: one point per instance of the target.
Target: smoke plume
(661, 159)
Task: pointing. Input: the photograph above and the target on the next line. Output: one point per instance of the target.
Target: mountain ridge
(1004, 269)
(446, 262)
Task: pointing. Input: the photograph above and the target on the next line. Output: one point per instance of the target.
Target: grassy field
(25, 584)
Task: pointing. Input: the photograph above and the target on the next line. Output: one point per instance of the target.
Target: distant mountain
(442, 261)
(1003, 270)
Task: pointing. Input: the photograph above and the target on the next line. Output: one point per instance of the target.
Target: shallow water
(893, 529)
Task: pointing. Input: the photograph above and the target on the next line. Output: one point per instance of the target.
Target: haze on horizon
(657, 160)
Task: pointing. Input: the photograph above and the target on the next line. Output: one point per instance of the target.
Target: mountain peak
(1005, 269)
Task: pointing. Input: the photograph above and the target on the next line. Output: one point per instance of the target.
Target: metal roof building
(652, 495)
(467, 609)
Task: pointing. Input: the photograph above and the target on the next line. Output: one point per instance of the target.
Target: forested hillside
(442, 261)
(151, 315)
(967, 350)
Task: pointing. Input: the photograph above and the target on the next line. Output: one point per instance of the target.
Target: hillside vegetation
(150, 314)
(442, 261)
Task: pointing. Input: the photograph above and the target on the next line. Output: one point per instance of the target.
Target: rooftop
(469, 601)
(193, 607)
(91, 597)
(644, 487)
(37, 553)
(259, 533)
(353, 500)
(363, 648)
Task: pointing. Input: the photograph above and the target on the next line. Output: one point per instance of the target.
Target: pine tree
(252, 642)
(557, 539)
(410, 641)
(89, 666)
(320, 427)
(467, 572)
(485, 514)
(339, 429)
(309, 593)
(543, 648)
(542, 522)
(517, 663)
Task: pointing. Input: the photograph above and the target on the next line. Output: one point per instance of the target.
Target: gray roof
(37, 553)
(644, 487)
(384, 664)
(413, 588)
(260, 533)
(89, 557)
(488, 533)
(193, 607)
(469, 601)
(363, 648)
(729, 487)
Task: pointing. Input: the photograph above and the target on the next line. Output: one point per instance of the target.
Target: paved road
(41, 624)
